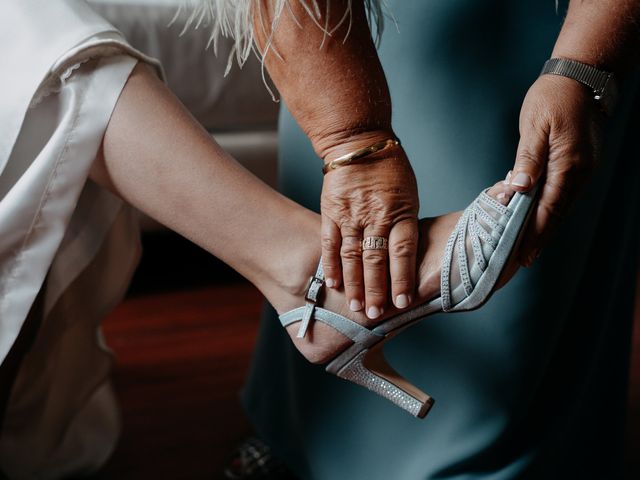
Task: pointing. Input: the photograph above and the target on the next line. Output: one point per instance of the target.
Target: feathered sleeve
(234, 19)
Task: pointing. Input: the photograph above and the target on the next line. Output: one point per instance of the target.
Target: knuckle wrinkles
(351, 257)
(401, 282)
(329, 243)
(377, 260)
(567, 149)
(351, 252)
(352, 242)
(403, 254)
(330, 266)
(403, 248)
(527, 157)
(349, 230)
(374, 292)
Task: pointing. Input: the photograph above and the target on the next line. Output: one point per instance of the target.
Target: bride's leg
(157, 157)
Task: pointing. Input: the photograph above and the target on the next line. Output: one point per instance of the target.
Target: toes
(502, 192)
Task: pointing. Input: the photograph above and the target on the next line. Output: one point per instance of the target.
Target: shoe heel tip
(426, 407)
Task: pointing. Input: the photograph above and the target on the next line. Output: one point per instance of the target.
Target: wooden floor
(182, 357)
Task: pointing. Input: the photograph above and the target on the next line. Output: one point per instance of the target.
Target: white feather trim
(234, 19)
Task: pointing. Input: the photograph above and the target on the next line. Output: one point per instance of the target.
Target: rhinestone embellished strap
(484, 235)
(463, 263)
(445, 275)
(485, 213)
(493, 203)
(475, 243)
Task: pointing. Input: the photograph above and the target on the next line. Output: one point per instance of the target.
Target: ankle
(290, 266)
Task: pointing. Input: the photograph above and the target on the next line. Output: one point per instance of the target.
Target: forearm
(336, 89)
(560, 124)
(603, 33)
(336, 92)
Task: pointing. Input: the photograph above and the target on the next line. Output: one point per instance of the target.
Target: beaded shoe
(476, 254)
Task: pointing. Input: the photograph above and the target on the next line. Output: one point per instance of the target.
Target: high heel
(370, 369)
(488, 233)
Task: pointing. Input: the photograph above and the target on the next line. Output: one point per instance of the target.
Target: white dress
(67, 247)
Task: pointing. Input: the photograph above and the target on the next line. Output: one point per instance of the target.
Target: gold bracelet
(352, 157)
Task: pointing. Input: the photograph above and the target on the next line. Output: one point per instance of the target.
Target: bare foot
(322, 342)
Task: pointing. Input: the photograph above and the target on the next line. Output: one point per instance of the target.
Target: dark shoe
(254, 460)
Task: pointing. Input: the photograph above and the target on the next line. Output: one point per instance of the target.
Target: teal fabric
(533, 385)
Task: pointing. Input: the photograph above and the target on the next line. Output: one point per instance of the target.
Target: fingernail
(373, 313)
(355, 305)
(508, 177)
(402, 301)
(330, 282)
(521, 180)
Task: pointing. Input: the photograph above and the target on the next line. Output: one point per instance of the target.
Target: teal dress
(532, 385)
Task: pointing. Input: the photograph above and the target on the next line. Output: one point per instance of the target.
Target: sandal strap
(471, 231)
(348, 328)
(310, 311)
(315, 287)
(496, 205)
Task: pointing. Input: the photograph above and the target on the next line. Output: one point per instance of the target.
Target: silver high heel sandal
(487, 232)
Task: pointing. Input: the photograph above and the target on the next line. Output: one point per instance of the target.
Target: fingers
(544, 221)
(568, 159)
(531, 160)
(376, 273)
(351, 255)
(366, 273)
(331, 242)
(403, 244)
(559, 136)
(531, 156)
(563, 180)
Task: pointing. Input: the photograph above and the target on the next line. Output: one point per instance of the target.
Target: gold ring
(375, 243)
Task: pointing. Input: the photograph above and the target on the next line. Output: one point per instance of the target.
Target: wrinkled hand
(560, 134)
(375, 198)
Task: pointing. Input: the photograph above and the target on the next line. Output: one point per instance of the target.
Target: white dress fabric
(67, 247)
(63, 240)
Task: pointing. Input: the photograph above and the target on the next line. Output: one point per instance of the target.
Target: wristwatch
(603, 84)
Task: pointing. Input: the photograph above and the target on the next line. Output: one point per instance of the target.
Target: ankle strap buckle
(315, 285)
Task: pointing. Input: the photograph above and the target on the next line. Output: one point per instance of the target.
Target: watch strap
(586, 74)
